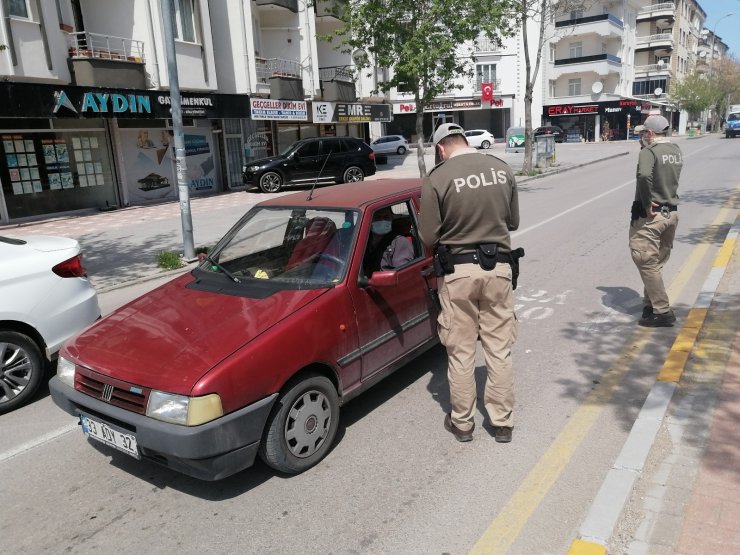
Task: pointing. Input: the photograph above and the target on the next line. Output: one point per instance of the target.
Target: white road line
(47, 437)
(589, 201)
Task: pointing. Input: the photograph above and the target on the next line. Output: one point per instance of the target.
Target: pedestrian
(469, 204)
(655, 216)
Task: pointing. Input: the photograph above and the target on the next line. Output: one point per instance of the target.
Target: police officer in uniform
(655, 216)
(469, 204)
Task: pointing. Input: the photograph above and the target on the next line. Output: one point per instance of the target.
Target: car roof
(348, 195)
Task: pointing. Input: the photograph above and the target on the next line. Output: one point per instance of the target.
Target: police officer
(655, 216)
(469, 204)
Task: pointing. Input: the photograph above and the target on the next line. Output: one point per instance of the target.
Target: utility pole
(183, 189)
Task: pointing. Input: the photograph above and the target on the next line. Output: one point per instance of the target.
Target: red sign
(570, 109)
(486, 90)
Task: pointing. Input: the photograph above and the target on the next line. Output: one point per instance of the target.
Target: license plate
(110, 436)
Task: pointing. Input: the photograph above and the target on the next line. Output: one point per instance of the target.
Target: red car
(255, 350)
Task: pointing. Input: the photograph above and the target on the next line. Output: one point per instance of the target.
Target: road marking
(49, 436)
(512, 518)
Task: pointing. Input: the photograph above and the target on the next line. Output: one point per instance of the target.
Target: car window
(349, 145)
(311, 148)
(332, 146)
(397, 247)
(733, 117)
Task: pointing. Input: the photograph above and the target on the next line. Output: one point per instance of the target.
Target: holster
(442, 263)
(487, 255)
(637, 211)
(516, 254)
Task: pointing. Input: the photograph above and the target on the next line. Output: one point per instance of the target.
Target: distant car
(479, 138)
(550, 130)
(45, 298)
(255, 350)
(732, 125)
(319, 159)
(390, 144)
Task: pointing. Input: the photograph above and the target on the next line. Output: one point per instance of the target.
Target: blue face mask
(381, 227)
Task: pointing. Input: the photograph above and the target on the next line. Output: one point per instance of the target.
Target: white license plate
(105, 434)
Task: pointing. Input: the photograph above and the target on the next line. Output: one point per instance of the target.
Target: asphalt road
(395, 481)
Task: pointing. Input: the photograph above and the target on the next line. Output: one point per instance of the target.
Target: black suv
(339, 159)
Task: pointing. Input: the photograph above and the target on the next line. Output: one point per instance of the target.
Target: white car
(479, 138)
(390, 144)
(45, 298)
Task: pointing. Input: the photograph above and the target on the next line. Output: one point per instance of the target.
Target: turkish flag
(486, 90)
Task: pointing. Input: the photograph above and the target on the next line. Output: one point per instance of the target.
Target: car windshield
(289, 247)
(733, 117)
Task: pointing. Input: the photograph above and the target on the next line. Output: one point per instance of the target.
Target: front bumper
(211, 451)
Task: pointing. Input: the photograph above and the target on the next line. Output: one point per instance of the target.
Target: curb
(606, 509)
(526, 178)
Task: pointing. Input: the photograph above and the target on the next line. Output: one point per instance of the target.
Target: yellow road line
(512, 518)
(582, 547)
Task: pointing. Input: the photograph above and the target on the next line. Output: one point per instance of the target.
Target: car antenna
(315, 181)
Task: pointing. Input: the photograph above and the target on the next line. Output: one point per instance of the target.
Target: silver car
(45, 298)
(390, 144)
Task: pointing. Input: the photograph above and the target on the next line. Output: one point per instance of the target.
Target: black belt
(669, 207)
(472, 258)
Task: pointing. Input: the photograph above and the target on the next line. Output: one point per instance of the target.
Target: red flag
(486, 90)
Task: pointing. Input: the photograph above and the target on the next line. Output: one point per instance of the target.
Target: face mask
(381, 227)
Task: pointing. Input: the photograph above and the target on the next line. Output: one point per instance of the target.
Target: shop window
(18, 8)
(574, 87)
(185, 20)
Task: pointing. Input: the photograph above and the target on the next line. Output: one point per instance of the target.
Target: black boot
(664, 320)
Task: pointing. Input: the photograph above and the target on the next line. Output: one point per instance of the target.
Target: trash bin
(691, 131)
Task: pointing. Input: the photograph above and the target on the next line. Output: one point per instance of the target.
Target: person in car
(387, 248)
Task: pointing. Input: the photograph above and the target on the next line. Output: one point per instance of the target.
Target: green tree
(726, 83)
(694, 93)
(425, 44)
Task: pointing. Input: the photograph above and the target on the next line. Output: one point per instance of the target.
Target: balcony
(662, 41)
(337, 84)
(291, 5)
(106, 61)
(664, 10)
(284, 77)
(601, 64)
(485, 45)
(652, 69)
(605, 25)
(328, 8)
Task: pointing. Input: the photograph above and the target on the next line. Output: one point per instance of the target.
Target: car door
(394, 320)
(306, 162)
(381, 145)
(333, 157)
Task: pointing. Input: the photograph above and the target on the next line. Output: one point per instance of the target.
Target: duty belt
(668, 207)
(472, 258)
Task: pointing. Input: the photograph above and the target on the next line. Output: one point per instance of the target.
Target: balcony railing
(484, 44)
(662, 37)
(336, 73)
(591, 19)
(584, 59)
(652, 68)
(94, 45)
(276, 67)
(656, 8)
(496, 85)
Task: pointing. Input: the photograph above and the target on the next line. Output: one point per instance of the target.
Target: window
(576, 14)
(574, 87)
(184, 20)
(484, 73)
(575, 49)
(18, 8)
(552, 88)
(552, 52)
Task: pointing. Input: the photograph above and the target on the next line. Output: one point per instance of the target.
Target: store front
(610, 120)
(79, 148)
(495, 116)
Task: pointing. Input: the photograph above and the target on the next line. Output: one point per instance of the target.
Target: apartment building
(85, 116)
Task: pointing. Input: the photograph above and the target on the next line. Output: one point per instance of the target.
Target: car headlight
(66, 371)
(184, 410)
(252, 169)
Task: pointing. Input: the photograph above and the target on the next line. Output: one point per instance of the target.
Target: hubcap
(352, 175)
(271, 183)
(308, 424)
(15, 371)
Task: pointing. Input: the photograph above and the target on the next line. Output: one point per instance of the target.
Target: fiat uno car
(322, 159)
(256, 349)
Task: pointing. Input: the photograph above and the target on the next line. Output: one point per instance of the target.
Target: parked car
(320, 159)
(390, 144)
(732, 125)
(255, 350)
(479, 138)
(45, 298)
(550, 130)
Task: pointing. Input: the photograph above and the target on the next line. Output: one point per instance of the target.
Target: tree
(694, 93)
(425, 44)
(726, 83)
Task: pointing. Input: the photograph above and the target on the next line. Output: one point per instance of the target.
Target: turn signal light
(70, 268)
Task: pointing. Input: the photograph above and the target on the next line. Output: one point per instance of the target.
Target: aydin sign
(104, 103)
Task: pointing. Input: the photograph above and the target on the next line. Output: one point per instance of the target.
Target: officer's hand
(650, 211)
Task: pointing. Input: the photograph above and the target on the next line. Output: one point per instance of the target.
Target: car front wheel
(485, 144)
(401, 150)
(302, 425)
(352, 174)
(21, 369)
(271, 182)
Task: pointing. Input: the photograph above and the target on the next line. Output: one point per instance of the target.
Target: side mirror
(386, 278)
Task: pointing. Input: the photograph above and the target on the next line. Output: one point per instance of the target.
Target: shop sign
(283, 110)
(452, 104)
(572, 110)
(340, 112)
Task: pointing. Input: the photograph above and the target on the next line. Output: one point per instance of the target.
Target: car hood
(169, 338)
(265, 161)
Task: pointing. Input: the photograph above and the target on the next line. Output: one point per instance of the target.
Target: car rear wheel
(485, 144)
(21, 369)
(352, 174)
(271, 182)
(302, 425)
(401, 150)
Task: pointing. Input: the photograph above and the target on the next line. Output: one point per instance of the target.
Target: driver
(386, 249)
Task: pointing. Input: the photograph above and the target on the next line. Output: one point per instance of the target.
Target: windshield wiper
(229, 275)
